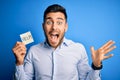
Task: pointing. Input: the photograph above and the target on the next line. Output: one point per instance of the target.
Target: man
(58, 58)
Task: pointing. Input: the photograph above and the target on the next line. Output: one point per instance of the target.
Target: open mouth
(54, 37)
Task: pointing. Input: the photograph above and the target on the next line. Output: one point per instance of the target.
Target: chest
(58, 62)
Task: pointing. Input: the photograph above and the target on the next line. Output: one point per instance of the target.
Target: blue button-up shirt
(67, 62)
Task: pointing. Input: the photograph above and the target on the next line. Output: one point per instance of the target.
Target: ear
(66, 26)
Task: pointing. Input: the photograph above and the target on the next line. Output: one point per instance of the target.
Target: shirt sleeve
(19, 73)
(84, 70)
(25, 71)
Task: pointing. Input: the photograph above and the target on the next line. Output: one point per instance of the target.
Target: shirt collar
(65, 42)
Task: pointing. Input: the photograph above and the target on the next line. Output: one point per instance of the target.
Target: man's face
(54, 27)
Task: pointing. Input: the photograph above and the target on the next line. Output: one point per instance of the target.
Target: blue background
(91, 22)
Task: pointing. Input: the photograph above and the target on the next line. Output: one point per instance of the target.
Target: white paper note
(26, 38)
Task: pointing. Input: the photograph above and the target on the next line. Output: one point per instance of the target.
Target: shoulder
(74, 44)
(77, 48)
(35, 50)
(36, 47)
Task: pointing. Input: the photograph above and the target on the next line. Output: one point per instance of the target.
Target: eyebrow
(57, 18)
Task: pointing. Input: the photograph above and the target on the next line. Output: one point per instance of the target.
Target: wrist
(98, 67)
(19, 63)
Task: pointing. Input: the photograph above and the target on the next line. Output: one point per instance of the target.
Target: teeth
(53, 36)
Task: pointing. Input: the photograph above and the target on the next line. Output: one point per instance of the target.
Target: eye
(48, 22)
(59, 22)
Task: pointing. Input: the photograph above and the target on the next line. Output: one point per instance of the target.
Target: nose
(54, 26)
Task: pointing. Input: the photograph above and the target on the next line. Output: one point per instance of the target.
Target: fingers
(92, 50)
(107, 45)
(106, 57)
(19, 48)
(109, 49)
(19, 51)
(93, 53)
(19, 43)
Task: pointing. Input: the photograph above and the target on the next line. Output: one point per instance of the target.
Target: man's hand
(100, 54)
(19, 51)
